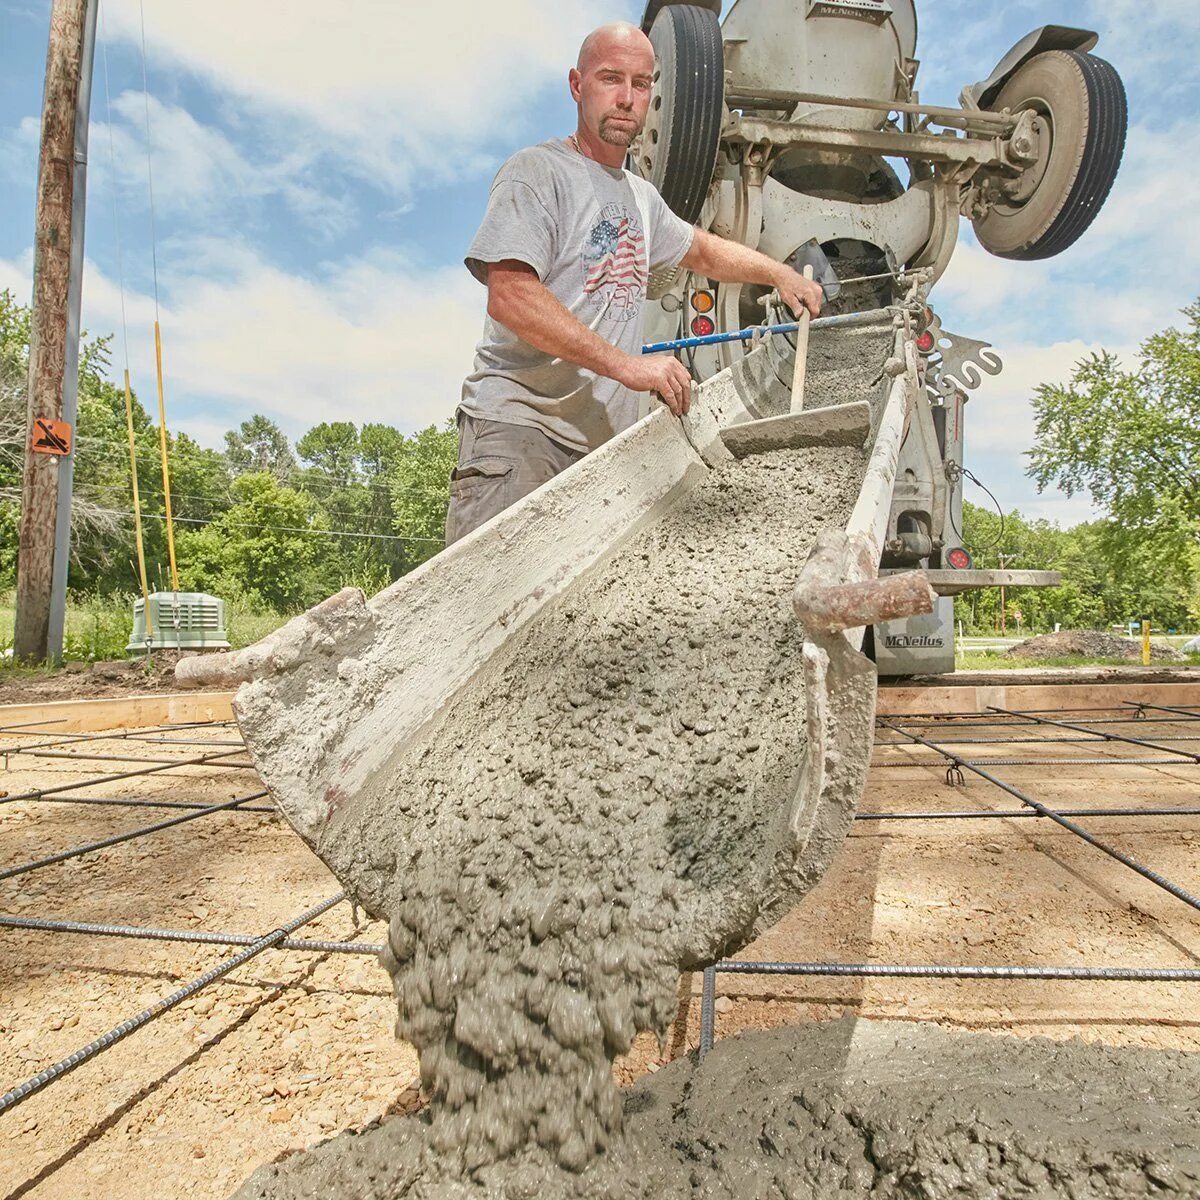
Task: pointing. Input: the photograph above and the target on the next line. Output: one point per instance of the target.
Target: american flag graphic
(614, 260)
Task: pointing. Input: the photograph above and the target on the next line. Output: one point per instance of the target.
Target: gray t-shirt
(593, 234)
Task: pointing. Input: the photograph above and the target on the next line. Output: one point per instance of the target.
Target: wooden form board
(117, 712)
(910, 701)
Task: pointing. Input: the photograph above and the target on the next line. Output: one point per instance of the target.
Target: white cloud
(199, 172)
(367, 339)
(399, 91)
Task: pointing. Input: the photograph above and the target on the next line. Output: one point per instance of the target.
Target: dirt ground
(295, 1046)
(92, 681)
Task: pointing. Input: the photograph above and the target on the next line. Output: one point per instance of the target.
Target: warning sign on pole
(51, 436)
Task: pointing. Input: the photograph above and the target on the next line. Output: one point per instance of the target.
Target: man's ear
(576, 82)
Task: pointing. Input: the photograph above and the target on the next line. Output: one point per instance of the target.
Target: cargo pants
(498, 464)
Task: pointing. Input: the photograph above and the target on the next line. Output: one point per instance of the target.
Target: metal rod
(1191, 714)
(897, 971)
(43, 925)
(1032, 741)
(1132, 863)
(1047, 762)
(35, 1084)
(1030, 718)
(116, 839)
(847, 320)
(140, 802)
(64, 738)
(955, 117)
(708, 1010)
(1025, 812)
(1108, 737)
(88, 756)
(203, 760)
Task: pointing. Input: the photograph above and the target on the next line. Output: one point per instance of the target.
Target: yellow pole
(162, 449)
(137, 505)
(1145, 643)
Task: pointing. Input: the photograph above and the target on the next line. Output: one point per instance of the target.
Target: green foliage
(269, 529)
(259, 445)
(1130, 439)
(1111, 575)
(419, 481)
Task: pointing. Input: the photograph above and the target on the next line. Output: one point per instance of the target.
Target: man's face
(613, 91)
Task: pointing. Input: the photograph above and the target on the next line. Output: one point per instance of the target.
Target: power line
(387, 537)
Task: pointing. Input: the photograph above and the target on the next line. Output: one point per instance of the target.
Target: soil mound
(1085, 643)
(830, 1111)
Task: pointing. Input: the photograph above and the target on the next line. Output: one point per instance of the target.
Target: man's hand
(659, 373)
(797, 292)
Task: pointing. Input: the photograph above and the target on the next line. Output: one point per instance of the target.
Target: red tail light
(703, 326)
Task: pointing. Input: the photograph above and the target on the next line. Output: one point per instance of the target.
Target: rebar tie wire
(35, 1084)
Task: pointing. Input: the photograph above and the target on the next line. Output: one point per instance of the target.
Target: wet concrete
(842, 1110)
(613, 798)
(604, 805)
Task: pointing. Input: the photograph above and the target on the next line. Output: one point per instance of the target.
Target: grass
(98, 627)
(984, 660)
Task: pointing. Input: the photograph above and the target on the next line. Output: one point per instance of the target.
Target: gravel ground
(294, 1047)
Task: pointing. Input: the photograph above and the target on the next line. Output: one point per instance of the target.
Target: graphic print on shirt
(614, 263)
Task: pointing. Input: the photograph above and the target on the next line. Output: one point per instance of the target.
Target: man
(566, 249)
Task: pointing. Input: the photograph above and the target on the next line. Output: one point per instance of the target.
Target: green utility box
(179, 621)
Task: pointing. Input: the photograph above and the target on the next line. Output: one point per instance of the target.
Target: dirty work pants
(498, 464)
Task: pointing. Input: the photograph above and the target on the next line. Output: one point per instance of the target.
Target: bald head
(618, 36)
(612, 84)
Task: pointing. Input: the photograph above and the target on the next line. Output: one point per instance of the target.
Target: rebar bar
(1132, 863)
(1048, 762)
(35, 1084)
(201, 936)
(117, 839)
(708, 1010)
(934, 971)
(139, 802)
(201, 760)
(1108, 737)
(92, 756)
(65, 738)
(1009, 813)
(1190, 713)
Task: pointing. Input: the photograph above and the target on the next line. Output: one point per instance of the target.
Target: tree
(259, 445)
(1130, 439)
(268, 545)
(332, 448)
(420, 482)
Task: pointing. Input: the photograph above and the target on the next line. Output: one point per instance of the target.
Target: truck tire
(678, 147)
(1081, 102)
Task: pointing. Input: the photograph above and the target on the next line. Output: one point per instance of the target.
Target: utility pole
(58, 244)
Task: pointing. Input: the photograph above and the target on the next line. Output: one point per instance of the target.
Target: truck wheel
(1080, 102)
(678, 146)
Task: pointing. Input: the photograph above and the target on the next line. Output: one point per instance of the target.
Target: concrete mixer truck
(797, 125)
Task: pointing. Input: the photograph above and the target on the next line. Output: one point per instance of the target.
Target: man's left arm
(724, 261)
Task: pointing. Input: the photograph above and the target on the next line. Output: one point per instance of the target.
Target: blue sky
(319, 169)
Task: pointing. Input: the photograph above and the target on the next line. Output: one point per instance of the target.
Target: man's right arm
(519, 301)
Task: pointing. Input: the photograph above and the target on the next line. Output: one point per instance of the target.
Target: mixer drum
(1082, 119)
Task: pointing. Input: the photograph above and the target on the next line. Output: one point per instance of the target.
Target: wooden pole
(48, 331)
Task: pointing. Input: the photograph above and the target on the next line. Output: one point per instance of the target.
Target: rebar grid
(1034, 808)
(280, 938)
